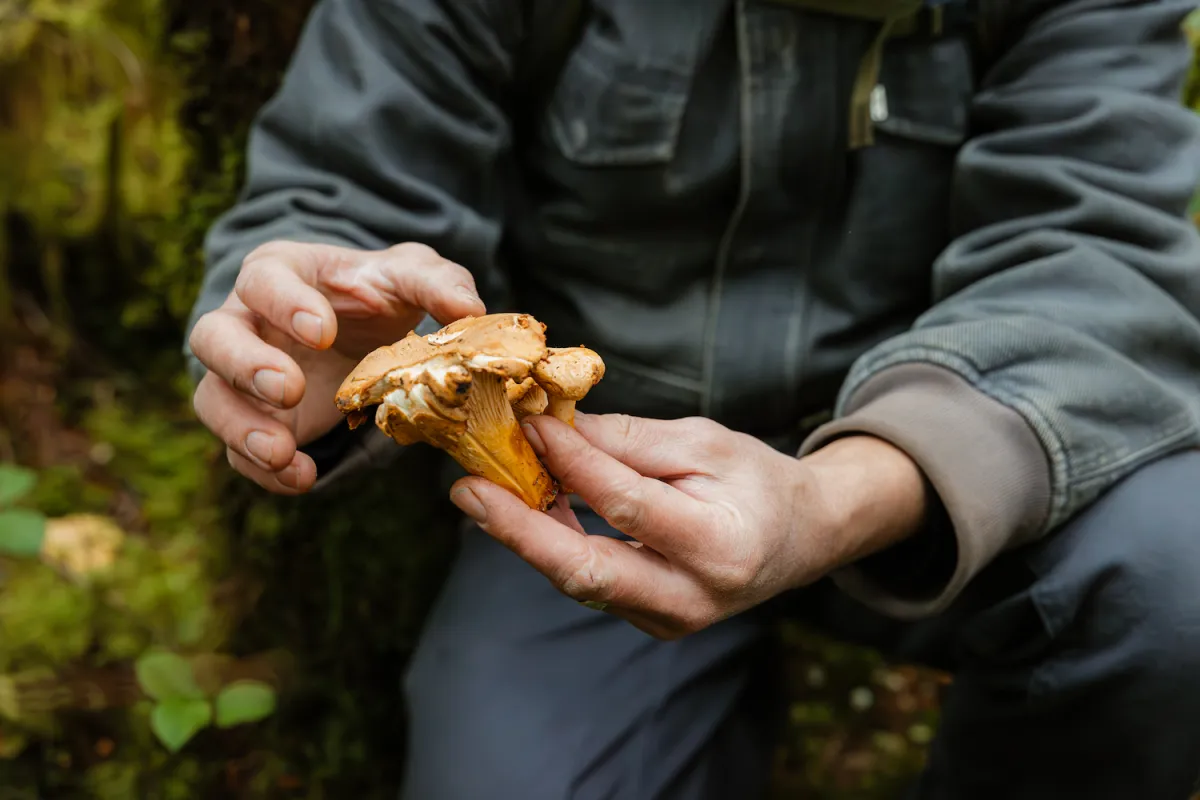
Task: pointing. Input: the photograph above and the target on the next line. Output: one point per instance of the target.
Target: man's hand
(297, 321)
(721, 521)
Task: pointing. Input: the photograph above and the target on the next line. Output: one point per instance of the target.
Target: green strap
(895, 18)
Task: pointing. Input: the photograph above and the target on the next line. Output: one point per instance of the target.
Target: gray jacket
(1004, 284)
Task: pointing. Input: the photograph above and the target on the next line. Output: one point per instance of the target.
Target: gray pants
(1076, 660)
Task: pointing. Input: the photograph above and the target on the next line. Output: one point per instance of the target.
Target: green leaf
(167, 676)
(177, 720)
(15, 483)
(21, 532)
(244, 701)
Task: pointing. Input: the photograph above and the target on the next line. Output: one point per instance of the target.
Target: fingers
(561, 511)
(228, 344)
(277, 285)
(301, 288)
(422, 278)
(246, 430)
(298, 477)
(655, 448)
(595, 568)
(646, 509)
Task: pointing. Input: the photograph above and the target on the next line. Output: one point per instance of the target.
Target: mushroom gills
(465, 388)
(483, 435)
(494, 447)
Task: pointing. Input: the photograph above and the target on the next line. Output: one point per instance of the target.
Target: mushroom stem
(494, 447)
(561, 408)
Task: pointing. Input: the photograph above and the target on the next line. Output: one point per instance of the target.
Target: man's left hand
(720, 521)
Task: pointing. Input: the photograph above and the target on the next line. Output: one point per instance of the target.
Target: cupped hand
(299, 318)
(720, 521)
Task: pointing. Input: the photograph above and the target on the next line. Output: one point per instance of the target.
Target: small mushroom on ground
(567, 374)
(81, 544)
(450, 389)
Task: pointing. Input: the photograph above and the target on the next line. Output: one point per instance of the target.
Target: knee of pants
(1124, 575)
(473, 733)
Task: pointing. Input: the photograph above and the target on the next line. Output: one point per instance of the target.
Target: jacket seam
(725, 248)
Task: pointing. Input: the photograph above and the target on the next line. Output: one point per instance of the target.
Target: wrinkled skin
(721, 521)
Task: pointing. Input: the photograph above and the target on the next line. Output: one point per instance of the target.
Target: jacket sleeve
(388, 127)
(1062, 351)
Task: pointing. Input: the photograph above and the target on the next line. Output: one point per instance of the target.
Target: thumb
(653, 447)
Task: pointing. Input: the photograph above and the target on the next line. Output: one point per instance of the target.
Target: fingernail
(290, 477)
(269, 384)
(469, 295)
(307, 326)
(535, 439)
(260, 445)
(469, 504)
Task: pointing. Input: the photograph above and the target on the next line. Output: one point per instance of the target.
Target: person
(901, 334)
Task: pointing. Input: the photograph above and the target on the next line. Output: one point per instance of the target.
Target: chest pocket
(903, 180)
(924, 92)
(619, 102)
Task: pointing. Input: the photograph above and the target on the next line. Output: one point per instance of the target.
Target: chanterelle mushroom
(526, 398)
(449, 389)
(568, 374)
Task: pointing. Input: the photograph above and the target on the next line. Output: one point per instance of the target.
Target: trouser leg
(1076, 660)
(518, 692)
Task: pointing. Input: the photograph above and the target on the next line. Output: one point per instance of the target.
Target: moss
(47, 622)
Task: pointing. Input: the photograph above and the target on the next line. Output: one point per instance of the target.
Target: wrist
(866, 495)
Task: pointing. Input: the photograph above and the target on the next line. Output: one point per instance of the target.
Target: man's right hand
(299, 318)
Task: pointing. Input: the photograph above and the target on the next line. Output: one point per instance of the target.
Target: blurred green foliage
(166, 631)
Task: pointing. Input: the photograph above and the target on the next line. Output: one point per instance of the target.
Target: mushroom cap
(569, 372)
(508, 345)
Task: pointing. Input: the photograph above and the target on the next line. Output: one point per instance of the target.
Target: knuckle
(202, 400)
(701, 426)
(703, 430)
(626, 425)
(624, 509)
(632, 433)
(201, 332)
(275, 247)
(249, 279)
(412, 251)
(664, 634)
(708, 437)
(683, 626)
(691, 622)
(585, 576)
(731, 576)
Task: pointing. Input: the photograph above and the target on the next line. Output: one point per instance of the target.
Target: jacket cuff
(982, 459)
